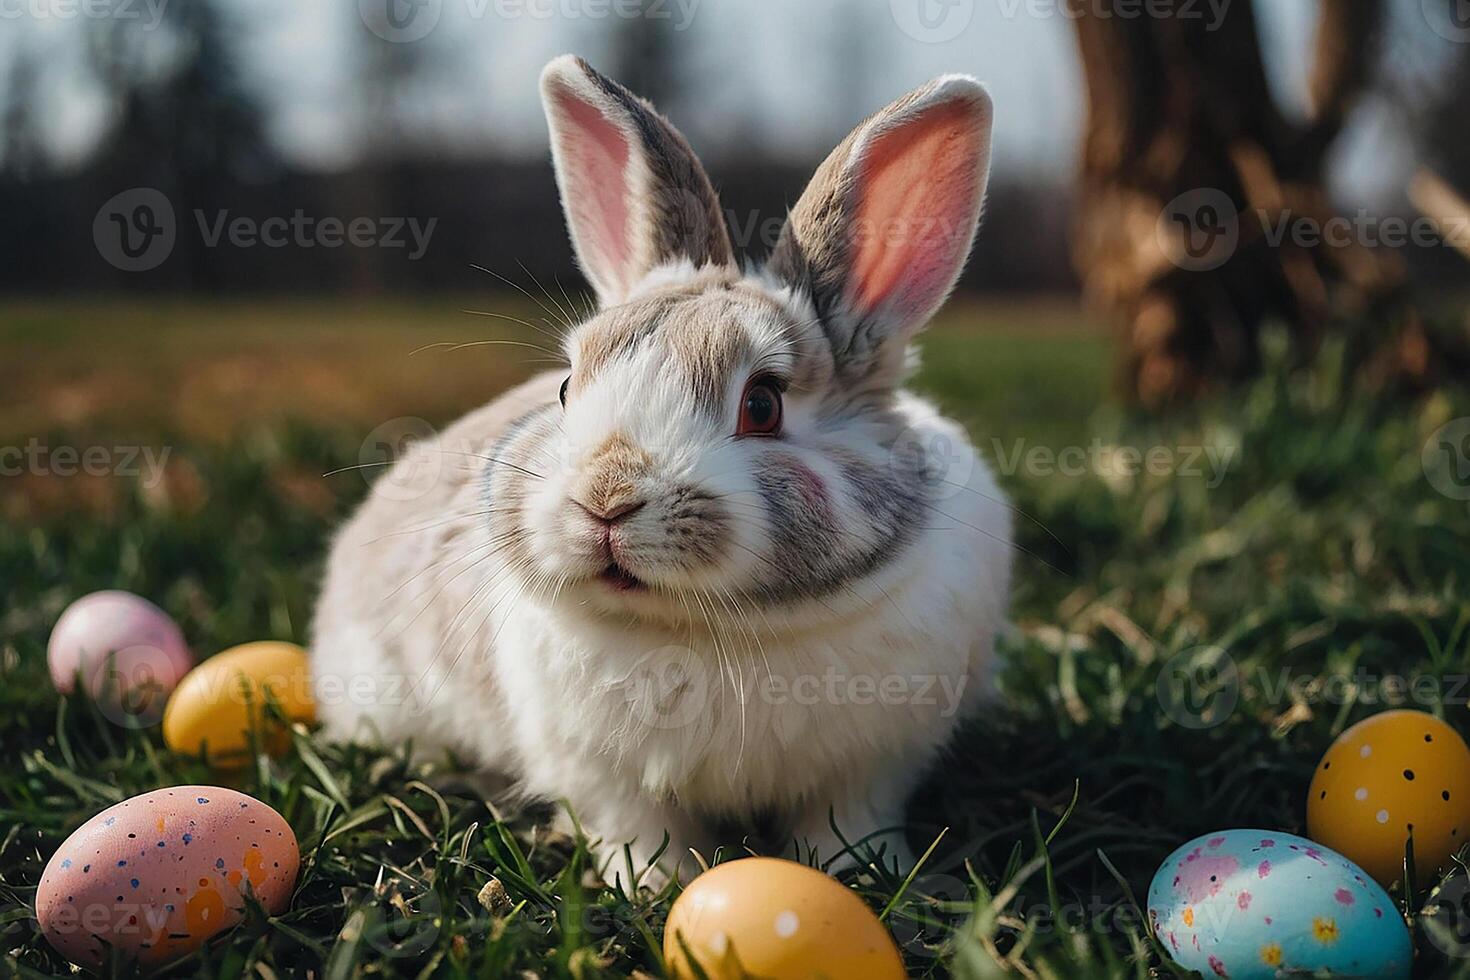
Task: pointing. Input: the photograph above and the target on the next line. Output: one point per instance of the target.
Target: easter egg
(779, 920)
(157, 875)
(1249, 903)
(1394, 775)
(128, 652)
(216, 705)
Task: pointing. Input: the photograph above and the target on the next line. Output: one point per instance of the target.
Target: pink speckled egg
(129, 653)
(157, 875)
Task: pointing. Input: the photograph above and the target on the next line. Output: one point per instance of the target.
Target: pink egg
(157, 875)
(129, 652)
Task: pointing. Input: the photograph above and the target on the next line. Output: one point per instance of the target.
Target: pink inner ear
(916, 211)
(594, 154)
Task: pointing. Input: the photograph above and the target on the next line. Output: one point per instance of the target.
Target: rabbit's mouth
(621, 579)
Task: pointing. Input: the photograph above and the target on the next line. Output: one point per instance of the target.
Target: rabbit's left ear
(634, 194)
(881, 233)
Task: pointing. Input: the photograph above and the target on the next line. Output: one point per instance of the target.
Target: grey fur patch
(811, 555)
(510, 462)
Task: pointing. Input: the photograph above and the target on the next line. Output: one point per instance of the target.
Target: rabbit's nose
(612, 514)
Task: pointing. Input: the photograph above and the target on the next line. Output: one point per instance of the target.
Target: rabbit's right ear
(634, 194)
(881, 234)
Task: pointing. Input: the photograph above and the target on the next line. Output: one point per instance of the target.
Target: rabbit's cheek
(554, 543)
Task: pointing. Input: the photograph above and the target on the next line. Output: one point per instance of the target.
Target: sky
(791, 76)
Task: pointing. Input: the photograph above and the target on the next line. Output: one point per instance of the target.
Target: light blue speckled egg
(1247, 903)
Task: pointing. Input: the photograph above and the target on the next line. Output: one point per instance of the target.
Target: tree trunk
(1189, 173)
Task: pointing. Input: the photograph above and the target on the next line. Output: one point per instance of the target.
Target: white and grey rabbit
(725, 572)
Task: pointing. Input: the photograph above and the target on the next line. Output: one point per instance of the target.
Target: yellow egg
(777, 920)
(217, 703)
(1387, 776)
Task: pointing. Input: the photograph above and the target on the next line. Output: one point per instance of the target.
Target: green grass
(1321, 550)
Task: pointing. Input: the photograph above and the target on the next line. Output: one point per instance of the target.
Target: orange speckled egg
(1389, 776)
(157, 875)
(778, 920)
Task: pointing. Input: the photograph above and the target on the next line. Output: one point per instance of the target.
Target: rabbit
(723, 575)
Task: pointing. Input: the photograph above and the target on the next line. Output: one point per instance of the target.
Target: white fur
(671, 710)
(570, 703)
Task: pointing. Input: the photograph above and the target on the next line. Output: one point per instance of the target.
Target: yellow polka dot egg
(1393, 776)
(778, 920)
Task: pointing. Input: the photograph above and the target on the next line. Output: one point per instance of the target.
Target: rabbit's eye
(760, 409)
(563, 393)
